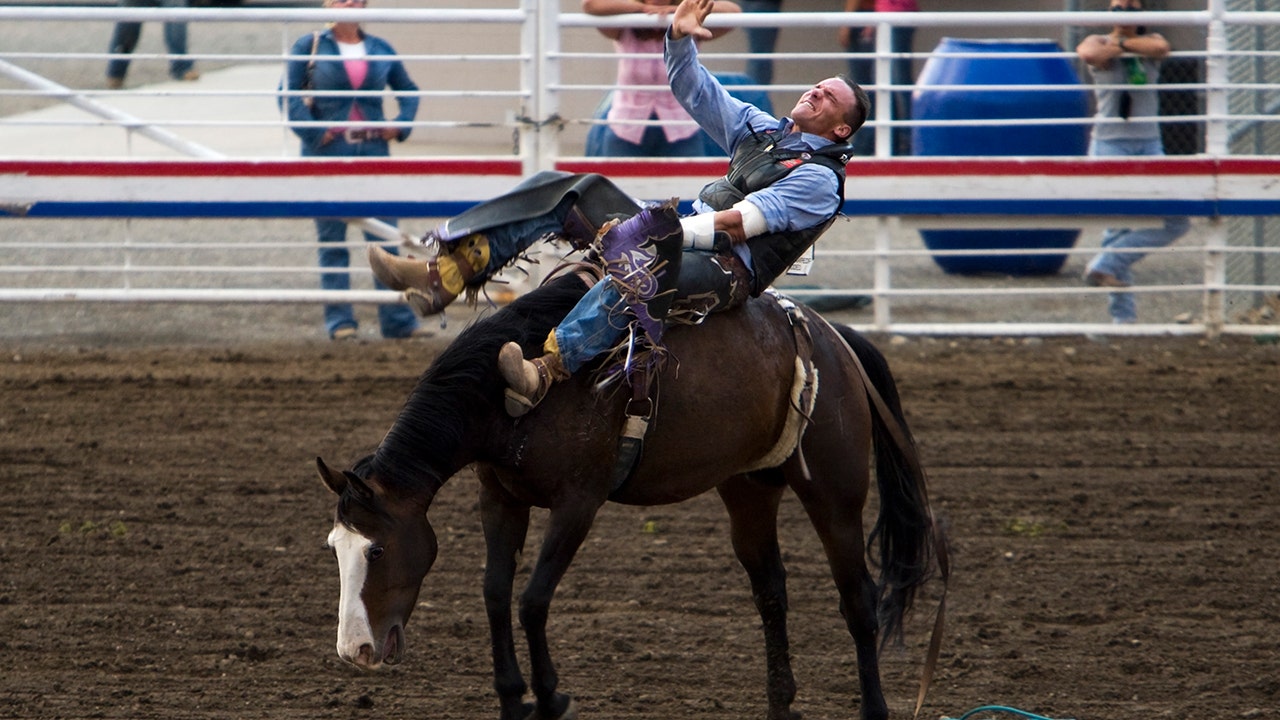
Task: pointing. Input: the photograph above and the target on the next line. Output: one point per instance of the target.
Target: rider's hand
(688, 19)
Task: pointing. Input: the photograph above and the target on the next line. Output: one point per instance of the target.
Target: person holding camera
(1124, 64)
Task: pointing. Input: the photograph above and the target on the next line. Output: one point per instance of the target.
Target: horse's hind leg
(753, 519)
(505, 526)
(833, 499)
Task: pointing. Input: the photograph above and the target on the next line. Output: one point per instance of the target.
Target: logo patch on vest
(788, 164)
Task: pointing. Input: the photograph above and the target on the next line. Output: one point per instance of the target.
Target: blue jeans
(396, 321)
(707, 283)
(1121, 305)
(900, 74)
(593, 326)
(125, 38)
(761, 40)
(862, 70)
(653, 144)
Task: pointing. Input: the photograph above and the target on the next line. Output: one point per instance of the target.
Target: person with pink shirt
(632, 106)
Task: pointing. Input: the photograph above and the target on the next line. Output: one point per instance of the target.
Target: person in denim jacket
(342, 57)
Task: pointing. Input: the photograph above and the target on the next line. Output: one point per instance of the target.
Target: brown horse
(724, 399)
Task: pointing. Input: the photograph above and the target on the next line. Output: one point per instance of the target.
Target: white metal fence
(510, 91)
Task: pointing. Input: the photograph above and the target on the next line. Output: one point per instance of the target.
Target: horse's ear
(337, 482)
(357, 484)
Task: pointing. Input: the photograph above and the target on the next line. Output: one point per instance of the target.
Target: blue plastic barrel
(972, 102)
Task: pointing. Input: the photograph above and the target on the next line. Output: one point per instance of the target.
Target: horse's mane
(464, 385)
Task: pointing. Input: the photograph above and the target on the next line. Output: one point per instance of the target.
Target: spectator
(761, 40)
(1126, 124)
(679, 136)
(862, 70)
(901, 39)
(343, 57)
(125, 38)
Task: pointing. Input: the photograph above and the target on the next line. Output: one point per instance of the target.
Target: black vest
(755, 165)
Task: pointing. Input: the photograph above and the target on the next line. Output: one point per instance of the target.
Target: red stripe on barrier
(925, 167)
(1249, 166)
(303, 167)
(646, 168)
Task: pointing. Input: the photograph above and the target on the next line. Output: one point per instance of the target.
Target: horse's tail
(909, 540)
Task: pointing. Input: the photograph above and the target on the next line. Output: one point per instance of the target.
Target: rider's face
(823, 108)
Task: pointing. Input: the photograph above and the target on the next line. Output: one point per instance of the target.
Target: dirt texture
(1112, 508)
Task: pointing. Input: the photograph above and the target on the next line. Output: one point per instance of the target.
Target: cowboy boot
(429, 286)
(528, 380)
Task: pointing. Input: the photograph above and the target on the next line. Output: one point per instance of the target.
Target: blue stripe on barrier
(1045, 207)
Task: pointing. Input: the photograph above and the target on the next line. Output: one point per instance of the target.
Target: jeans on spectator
(862, 70)
(900, 41)
(125, 38)
(396, 321)
(1120, 245)
(761, 40)
(654, 143)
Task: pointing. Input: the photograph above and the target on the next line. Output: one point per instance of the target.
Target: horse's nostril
(365, 656)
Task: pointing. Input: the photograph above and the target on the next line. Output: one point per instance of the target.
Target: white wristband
(699, 231)
(753, 222)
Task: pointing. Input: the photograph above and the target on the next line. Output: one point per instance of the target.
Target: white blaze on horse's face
(385, 547)
(355, 636)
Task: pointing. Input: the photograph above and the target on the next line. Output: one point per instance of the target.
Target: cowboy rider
(784, 187)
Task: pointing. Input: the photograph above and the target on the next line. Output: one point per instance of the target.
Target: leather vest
(757, 164)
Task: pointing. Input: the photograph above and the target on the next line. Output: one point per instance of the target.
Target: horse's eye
(374, 552)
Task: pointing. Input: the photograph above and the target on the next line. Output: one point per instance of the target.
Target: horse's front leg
(506, 524)
(753, 521)
(567, 529)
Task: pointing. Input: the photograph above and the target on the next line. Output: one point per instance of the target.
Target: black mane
(463, 384)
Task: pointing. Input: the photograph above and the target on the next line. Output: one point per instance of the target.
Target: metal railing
(524, 98)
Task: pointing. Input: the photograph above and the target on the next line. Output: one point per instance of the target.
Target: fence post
(884, 95)
(548, 122)
(1215, 277)
(1217, 75)
(882, 268)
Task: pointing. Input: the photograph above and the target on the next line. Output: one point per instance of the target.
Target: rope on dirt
(1002, 709)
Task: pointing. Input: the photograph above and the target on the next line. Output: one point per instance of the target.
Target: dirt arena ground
(1112, 508)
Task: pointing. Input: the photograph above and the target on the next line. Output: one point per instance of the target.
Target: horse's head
(384, 546)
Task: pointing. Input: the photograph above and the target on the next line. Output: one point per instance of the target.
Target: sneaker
(343, 333)
(1097, 278)
(189, 76)
(115, 83)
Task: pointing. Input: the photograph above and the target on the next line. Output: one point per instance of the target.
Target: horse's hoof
(570, 713)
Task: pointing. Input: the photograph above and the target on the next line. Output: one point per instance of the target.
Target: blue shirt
(803, 198)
